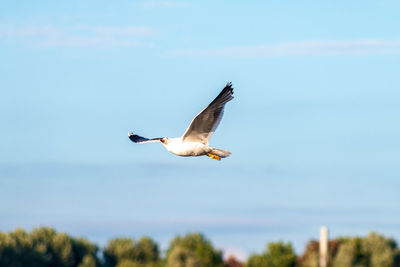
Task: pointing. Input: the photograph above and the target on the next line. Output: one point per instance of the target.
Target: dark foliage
(44, 247)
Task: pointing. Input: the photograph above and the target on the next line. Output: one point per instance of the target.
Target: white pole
(323, 246)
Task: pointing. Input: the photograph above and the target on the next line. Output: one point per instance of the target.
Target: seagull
(194, 142)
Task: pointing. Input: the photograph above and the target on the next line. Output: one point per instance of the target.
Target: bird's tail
(220, 152)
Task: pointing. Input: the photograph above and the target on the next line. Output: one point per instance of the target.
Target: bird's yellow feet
(213, 156)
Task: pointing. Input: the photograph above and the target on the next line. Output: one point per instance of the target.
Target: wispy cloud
(218, 221)
(30, 30)
(126, 31)
(303, 48)
(163, 4)
(85, 36)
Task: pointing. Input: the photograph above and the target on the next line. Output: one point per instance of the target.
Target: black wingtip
(225, 95)
(229, 87)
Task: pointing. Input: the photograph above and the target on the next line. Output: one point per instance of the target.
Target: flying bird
(194, 142)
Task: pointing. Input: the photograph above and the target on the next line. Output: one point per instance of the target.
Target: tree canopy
(196, 249)
(125, 252)
(45, 247)
(276, 255)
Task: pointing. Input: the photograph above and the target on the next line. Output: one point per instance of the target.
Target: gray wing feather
(204, 124)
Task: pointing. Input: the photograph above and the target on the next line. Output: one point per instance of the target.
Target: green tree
(125, 252)
(146, 251)
(119, 249)
(88, 261)
(379, 250)
(372, 251)
(276, 255)
(310, 255)
(182, 257)
(347, 254)
(129, 263)
(257, 260)
(199, 249)
(43, 247)
(17, 250)
(85, 252)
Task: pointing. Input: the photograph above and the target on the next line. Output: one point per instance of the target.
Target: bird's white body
(185, 149)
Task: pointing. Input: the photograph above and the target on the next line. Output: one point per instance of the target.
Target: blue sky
(313, 127)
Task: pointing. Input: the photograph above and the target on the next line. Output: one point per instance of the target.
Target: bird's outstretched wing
(204, 124)
(138, 139)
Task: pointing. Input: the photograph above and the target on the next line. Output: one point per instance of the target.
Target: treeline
(45, 247)
(373, 250)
